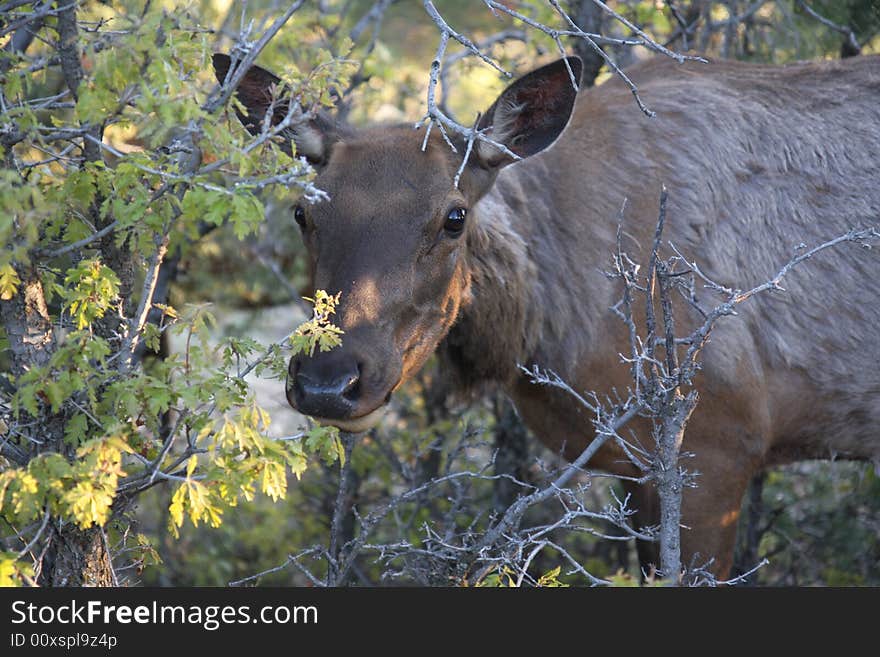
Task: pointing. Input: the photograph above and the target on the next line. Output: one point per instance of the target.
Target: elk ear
(531, 113)
(259, 91)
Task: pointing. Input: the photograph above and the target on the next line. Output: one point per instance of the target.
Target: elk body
(507, 269)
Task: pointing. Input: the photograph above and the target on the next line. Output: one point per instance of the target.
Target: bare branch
(463, 40)
(291, 560)
(845, 31)
(223, 92)
(341, 508)
(75, 246)
(139, 320)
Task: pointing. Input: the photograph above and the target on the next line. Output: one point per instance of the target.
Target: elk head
(393, 236)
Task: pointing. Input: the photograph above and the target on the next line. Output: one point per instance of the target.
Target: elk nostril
(352, 387)
(342, 386)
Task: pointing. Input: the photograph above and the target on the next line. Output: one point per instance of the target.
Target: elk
(506, 268)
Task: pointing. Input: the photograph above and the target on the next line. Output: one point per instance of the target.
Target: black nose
(323, 388)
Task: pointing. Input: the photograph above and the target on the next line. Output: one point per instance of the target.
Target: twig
(291, 560)
(36, 537)
(85, 241)
(845, 31)
(340, 509)
(223, 92)
(137, 323)
(463, 40)
(513, 514)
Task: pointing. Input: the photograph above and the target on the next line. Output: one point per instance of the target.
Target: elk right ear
(260, 91)
(531, 113)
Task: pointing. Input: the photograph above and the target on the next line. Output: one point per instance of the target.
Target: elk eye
(454, 225)
(300, 216)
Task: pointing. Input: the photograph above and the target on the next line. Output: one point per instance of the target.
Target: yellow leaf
(191, 465)
(9, 282)
(205, 431)
(622, 579)
(175, 510)
(11, 570)
(168, 311)
(89, 504)
(274, 481)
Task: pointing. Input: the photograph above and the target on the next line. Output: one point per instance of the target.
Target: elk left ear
(260, 92)
(531, 113)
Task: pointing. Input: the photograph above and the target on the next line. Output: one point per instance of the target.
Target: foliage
(821, 523)
(264, 535)
(89, 291)
(318, 333)
(90, 424)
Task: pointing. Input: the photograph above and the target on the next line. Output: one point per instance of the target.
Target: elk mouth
(356, 424)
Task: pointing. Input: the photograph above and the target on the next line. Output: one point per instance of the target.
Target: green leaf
(326, 442)
(296, 458)
(75, 429)
(318, 332)
(91, 290)
(80, 186)
(152, 337)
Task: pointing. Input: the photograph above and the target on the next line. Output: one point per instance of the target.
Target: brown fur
(756, 159)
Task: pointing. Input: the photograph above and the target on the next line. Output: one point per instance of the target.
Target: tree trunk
(511, 453)
(750, 530)
(669, 483)
(72, 557)
(76, 557)
(28, 327)
(588, 16)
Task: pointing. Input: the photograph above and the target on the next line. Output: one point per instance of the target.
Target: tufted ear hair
(531, 113)
(261, 91)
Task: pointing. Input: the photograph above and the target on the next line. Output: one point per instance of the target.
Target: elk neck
(513, 311)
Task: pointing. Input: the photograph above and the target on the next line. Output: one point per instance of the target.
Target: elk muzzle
(339, 389)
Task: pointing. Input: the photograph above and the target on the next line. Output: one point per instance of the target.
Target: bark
(343, 521)
(511, 453)
(72, 556)
(27, 324)
(71, 67)
(588, 16)
(76, 557)
(31, 338)
(116, 257)
(669, 483)
(79, 557)
(751, 531)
